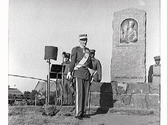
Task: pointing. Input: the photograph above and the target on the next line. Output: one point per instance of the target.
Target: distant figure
(129, 33)
(154, 71)
(63, 56)
(67, 91)
(96, 66)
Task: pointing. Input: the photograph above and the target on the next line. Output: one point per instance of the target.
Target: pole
(35, 99)
(62, 77)
(62, 80)
(89, 98)
(48, 91)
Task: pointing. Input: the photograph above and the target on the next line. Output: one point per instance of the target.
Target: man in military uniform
(63, 56)
(80, 62)
(154, 71)
(96, 66)
(67, 89)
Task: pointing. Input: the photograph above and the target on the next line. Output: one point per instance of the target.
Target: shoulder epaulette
(87, 49)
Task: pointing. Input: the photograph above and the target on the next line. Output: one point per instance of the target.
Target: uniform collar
(93, 58)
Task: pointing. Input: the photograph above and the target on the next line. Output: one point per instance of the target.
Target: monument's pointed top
(129, 10)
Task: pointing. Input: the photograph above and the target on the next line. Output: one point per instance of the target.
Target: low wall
(126, 95)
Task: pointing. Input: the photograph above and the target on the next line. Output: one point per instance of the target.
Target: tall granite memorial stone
(128, 63)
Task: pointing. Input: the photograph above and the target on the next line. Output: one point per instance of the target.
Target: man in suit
(80, 62)
(154, 71)
(96, 66)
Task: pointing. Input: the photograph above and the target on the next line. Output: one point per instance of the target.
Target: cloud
(141, 3)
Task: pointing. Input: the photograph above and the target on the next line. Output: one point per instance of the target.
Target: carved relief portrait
(129, 31)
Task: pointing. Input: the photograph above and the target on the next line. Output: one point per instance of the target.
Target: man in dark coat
(80, 62)
(96, 66)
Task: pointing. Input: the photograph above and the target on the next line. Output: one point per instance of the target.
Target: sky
(34, 24)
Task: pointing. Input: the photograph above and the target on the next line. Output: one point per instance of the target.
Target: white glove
(69, 76)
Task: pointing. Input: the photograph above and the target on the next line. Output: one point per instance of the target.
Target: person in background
(63, 56)
(67, 90)
(80, 62)
(154, 71)
(96, 66)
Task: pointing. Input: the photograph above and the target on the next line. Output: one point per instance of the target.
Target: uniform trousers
(82, 92)
(67, 93)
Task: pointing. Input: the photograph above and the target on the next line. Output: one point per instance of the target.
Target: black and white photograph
(85, 62)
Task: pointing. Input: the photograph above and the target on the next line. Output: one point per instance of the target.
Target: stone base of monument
(137, 96)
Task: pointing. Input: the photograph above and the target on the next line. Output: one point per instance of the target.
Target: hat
(83, 37)
(67, 55)
(157, 58)
(64, 53)
(92, 51)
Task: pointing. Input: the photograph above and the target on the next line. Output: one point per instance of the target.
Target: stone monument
(128, 63)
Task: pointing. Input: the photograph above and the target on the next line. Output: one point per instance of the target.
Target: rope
(28, 77)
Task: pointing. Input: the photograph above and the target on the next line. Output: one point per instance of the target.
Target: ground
(31, 115)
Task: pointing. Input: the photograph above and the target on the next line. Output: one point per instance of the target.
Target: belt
(157, 75)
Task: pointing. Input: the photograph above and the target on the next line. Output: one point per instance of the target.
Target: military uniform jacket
(76, 55)
(154, 70)
(66, 64)
(97, 66)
